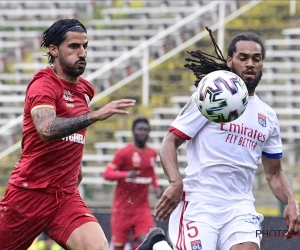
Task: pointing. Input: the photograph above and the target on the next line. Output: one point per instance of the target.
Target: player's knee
(103, 245)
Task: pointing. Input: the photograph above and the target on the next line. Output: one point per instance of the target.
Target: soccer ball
(221, 96)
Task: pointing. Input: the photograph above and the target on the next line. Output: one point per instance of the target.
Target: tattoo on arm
(61, 127)
(50, 127)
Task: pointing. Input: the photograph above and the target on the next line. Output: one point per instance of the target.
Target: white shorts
(195, 226)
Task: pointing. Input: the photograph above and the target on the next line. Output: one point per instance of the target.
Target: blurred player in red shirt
(42, 194)
(133, 169)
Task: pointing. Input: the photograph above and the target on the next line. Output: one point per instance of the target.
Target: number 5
(194, 229)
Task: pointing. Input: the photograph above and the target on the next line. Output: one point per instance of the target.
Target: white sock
(161, 245)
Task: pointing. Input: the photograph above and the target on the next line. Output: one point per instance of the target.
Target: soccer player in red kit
(133, 168)
(42, 194)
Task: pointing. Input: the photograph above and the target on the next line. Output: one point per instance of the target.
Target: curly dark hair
(56, 33)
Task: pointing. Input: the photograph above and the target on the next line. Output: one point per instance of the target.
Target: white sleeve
(190, 120)
(273, 145)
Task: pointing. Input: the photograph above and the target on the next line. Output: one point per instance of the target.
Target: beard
(251, 84)
(71, 70)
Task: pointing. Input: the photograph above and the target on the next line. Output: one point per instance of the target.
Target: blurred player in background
(213, 207)
(133, 167)
(42, 194)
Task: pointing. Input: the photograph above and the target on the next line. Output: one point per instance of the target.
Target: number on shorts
(192, 229)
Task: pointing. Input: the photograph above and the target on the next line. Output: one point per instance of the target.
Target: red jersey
(53, 163)
(132, 193)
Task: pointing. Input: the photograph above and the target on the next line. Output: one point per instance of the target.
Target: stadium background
(137, 50)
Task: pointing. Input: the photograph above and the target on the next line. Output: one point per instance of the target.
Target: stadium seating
(14, 48)
(291, 33)
(17, 25)
(56, 13)
(130, 23)
(283, 42)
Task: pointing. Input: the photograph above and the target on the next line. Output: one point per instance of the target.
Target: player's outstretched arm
(50, 127)
(282, 190)
(172, 195)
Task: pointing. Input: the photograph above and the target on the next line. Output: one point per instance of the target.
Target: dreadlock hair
(138, 120)
(56, 33)
(205, 63)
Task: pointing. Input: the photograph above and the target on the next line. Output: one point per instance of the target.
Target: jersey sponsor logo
(78, 138)
(243, 130)
(140, 180)
(262, 120)
(242, 135)
(68, 96)
(241, 141)
(196, 245)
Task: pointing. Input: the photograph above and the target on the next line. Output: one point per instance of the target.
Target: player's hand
(169, 201)
(114, 107)
(132, 174)
(292, 219)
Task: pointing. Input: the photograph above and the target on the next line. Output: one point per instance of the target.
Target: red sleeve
(42, 92)
(179, 133)
(112, 174)
(120, 159)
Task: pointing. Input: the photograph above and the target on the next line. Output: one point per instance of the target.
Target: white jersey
(222, 158)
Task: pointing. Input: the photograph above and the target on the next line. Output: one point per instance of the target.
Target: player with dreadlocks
(42, 193)
(213, 206)
(206, 63)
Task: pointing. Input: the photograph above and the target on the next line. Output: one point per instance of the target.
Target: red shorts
(25, 213)
(138, 221)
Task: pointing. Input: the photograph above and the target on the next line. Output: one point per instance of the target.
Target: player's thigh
(88, 236)
(190, 235)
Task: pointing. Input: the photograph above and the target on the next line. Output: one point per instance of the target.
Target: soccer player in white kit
(213, 206)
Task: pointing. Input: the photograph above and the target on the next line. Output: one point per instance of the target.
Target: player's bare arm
(282, 190)
(277, 180)
(51, 127)
(172, 195)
